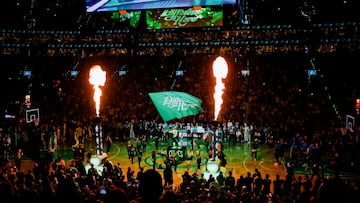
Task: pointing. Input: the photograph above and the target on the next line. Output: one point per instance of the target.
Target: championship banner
(172, 104)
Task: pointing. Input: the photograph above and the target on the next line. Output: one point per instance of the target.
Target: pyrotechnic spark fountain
(97, 78)
(220, 71)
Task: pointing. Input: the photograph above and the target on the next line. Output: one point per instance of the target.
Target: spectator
(169, 197)
(230, 181)
(266, 185)
(7, 193)
(151, 187)
(220, 179)
(116, 195)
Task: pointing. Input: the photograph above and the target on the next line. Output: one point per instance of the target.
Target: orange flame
(97, 78)
(220, 71)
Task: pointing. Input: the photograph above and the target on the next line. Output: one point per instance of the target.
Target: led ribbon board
(184, 18)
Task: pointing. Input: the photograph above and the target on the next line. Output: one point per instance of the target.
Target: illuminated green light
(212, 167)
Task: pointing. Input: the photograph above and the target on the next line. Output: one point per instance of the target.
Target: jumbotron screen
(184, 18)
(115, 5)
(129, 18)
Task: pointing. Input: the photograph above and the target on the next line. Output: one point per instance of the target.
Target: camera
(103, 192)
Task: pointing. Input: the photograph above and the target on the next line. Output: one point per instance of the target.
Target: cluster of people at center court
(170, 157)
(137, 147)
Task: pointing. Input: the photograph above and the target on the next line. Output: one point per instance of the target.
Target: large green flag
(172, 104)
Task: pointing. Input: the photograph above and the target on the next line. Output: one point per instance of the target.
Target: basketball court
(238, 157)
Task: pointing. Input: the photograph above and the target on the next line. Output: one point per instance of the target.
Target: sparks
(220, 71)
(97, 78)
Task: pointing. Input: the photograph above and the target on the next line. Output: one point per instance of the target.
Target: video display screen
(129, 18)
(184, 18)
(115, 5)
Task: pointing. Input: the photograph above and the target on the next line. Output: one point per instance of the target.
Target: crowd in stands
(73, 183)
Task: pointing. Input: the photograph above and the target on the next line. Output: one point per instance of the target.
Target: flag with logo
(172, 104)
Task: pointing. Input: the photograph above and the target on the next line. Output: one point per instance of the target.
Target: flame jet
(97, 78)
(220, 71)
